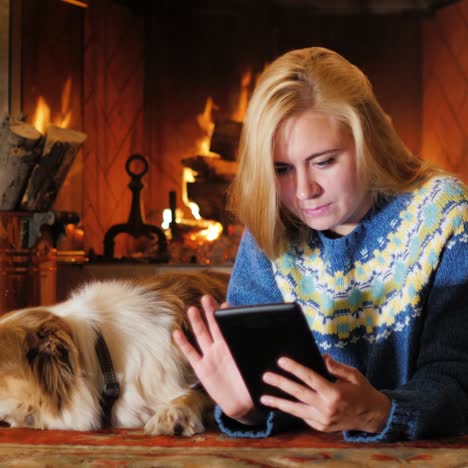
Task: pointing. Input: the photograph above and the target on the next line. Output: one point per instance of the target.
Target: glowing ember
(210, 233)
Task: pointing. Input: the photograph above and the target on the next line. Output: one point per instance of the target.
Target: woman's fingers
(295, 389)
(189, 351)
(199, 328)
(205, 335)
(300, 410)
(210, 306)
(310, 378)
(341, 371)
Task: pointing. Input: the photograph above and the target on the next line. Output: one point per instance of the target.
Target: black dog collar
(111, 390)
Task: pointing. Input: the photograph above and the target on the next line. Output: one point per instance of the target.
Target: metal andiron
(135, 225)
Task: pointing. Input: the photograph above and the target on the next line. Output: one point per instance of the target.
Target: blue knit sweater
(390, 298)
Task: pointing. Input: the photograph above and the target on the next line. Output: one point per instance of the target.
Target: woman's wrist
(380, 416)
(253, 417)
(245, 414)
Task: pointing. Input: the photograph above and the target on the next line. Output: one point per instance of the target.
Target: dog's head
(38, 365)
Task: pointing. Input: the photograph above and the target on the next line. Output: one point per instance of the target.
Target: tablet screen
(258, 335)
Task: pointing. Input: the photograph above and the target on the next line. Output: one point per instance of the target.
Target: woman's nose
(306, 186)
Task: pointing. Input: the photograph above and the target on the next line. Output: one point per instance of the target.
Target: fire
(206, 124)
(167, 218)
(210, 231)
(42, 114)
(239, 113)
(203, 229)
(41, 117)
(188, 175)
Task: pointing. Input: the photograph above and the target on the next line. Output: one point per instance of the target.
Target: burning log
(211, 169)
(211, 199)
(19, 150)
(61, 146)
(225, 139)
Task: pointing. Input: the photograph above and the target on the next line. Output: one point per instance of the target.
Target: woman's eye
(324, 162)
(282, 169)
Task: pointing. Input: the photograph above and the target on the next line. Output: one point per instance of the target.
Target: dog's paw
(175, 420)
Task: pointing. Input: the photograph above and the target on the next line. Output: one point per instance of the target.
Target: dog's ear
(53, 358)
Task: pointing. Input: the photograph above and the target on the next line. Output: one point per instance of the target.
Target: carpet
(132, 448)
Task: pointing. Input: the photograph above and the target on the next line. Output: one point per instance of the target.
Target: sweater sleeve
(275, 422)
(434, 402)
(252, 279)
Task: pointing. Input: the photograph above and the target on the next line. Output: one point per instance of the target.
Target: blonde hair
(322, 80)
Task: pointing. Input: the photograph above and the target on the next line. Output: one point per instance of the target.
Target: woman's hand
(215, 367)
(349, 403)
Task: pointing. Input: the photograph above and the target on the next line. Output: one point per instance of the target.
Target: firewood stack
(33, 167)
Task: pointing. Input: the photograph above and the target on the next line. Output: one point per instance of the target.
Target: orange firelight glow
(77, 3)
(239, 113)
(188, 175)
(206, 124)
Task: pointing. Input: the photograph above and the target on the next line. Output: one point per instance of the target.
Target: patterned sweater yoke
(370, 283)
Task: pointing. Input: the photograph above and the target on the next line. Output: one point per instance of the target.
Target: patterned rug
(132, 448)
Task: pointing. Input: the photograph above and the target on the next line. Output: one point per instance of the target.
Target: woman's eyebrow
(313, 155)
(321, 153)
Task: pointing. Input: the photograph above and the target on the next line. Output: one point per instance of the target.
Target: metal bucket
(27, 278)
(28, 266)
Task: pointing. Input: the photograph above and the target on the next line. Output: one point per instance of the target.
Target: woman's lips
(319, 211)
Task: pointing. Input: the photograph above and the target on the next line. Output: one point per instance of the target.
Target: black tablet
(258, 335)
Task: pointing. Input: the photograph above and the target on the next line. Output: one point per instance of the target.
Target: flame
(210, 231)
(41, 118)
(188, 175)
(239, 113)
(204, 230)
(167, 218)
(42, 114)
(205, 122)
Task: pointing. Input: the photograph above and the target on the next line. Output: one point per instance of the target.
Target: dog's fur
(50, 377)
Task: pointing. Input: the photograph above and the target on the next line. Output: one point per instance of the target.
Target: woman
(372, 243)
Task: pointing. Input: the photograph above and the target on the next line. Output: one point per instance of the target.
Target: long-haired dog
(113, 335)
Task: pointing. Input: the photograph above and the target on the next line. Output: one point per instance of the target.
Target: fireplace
(160, 78)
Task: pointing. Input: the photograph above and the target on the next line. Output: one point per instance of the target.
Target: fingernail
(265, 400)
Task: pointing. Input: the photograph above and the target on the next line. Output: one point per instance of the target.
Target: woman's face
(315, 163)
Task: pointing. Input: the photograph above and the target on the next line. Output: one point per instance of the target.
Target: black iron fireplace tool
(135, 225)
